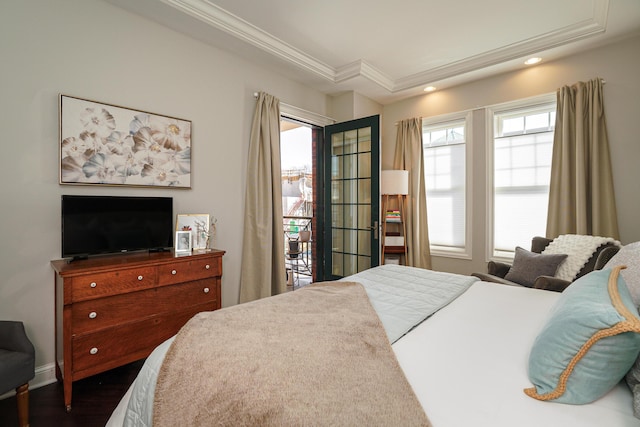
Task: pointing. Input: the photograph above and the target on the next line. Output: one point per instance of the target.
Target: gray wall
(617, 63)
(92, 49)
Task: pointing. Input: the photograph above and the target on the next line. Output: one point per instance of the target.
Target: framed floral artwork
(109, 145)
(199, 226)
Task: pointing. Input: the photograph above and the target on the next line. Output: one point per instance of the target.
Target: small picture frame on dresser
(183, 242)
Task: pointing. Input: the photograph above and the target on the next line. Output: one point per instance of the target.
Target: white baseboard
(45, 375)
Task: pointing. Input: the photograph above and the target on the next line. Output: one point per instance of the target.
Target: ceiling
(389, 51)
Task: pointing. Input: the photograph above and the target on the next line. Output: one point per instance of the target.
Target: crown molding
(220, 19)
(243, 30)
(572, 33)
(362, 68)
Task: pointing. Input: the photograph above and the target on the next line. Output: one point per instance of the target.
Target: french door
(351, 163)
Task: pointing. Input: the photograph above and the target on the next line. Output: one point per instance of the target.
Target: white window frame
(492, 254)
(467, 117)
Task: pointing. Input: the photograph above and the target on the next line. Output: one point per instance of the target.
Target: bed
(467, 363)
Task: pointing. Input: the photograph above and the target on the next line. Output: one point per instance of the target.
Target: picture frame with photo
(183, 242)
(198, 225)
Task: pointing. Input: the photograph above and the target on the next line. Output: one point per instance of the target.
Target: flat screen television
(93, 225)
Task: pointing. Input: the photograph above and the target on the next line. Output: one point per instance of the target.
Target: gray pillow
(633, 380)
(629, 255)
(528, 266)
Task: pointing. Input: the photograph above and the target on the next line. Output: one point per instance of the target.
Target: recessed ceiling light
(532, 61)
(429, 89)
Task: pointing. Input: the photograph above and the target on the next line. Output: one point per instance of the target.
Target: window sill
(446, 252)
(502, 256)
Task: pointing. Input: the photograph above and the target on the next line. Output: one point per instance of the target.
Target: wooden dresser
(114, 310)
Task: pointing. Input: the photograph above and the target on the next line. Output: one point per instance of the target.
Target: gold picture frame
(199, 225)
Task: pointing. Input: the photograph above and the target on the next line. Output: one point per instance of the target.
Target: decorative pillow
(528, 266)
(633, 381)
(629, 255)
(589, 343)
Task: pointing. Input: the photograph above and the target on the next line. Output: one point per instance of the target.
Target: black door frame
(322, 210)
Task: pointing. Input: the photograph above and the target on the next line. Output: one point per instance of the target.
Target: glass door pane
(353, 159)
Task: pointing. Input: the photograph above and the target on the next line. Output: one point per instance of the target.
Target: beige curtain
(263, 270)
(581, 197)
(409, 156)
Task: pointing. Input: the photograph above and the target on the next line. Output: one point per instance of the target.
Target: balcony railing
(297, 244)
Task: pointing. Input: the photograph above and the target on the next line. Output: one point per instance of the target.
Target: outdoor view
(295, 147)
(297, 198)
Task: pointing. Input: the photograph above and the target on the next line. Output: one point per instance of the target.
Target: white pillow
(629, 255)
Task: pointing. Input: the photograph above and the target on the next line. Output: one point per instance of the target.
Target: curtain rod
(302, 114)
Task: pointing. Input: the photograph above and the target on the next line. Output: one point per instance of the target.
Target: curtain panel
(263, 269)
(581, 194)
(409, 155)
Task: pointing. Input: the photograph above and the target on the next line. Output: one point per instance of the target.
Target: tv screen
(94, 225)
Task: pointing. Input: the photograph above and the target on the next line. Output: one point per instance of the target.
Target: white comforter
(468, 366)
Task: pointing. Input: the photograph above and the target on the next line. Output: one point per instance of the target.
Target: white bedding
(468, 365)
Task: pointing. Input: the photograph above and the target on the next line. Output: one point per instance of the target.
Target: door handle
(376, 229)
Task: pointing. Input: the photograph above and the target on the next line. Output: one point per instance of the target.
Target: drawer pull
(93, 315)
(206, 290)
(94, 350)
(207, 266)
(173, 272)
(139, 277)
(93, 284)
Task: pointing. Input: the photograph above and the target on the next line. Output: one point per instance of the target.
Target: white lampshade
(395, 182)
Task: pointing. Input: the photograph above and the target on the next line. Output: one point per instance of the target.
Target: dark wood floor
(94, 399)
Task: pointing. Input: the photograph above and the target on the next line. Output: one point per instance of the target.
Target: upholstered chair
(17, 365)
(497, 271)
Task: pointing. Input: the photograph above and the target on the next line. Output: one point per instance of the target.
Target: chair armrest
(499, 269)
(14, 338)
(604, 256)
(551, 283)
(495, 279)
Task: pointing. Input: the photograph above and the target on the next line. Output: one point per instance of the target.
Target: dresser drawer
(126, 343)
(114, 282)
(92, 315)
(189, 269)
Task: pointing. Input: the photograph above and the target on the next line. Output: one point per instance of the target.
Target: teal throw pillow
(589, 343)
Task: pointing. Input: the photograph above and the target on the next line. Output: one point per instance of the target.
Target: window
(444, 144)
(522, 150)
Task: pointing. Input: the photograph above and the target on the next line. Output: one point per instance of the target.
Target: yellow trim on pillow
(615, 296)
(631, 324)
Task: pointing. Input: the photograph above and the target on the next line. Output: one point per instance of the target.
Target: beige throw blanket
(316, 356)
